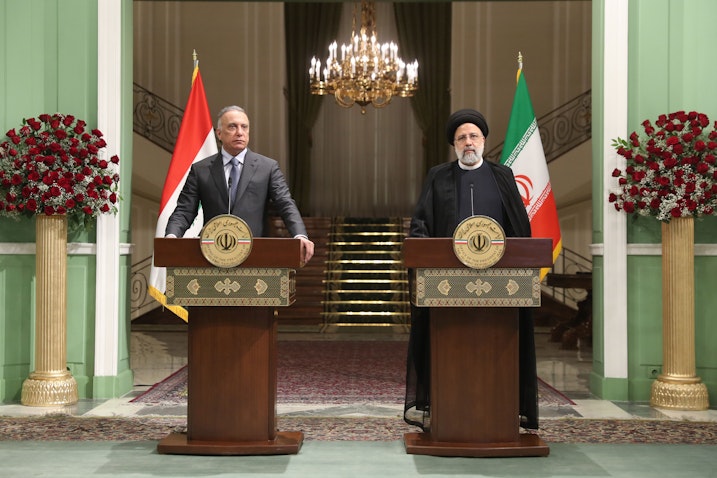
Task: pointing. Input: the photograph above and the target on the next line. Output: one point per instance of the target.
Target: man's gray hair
(228, 108)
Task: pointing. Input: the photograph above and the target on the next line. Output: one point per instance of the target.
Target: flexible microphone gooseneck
(229, 193)
(472, 210)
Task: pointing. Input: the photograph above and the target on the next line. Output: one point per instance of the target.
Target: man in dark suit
(251, 178)
(452, 192)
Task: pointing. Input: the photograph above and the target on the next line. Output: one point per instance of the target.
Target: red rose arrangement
(53, 165)
(670, 172)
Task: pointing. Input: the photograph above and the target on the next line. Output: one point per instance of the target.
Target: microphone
(229, 193)
(472, 211)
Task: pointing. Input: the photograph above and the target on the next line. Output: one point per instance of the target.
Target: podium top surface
(437, 252)
(265, 252)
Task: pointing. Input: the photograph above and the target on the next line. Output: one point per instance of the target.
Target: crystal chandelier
(367, 72)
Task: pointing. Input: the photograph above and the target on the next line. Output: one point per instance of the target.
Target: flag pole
(195, 61)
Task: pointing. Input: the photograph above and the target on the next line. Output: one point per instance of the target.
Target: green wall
(667, 71)
(48, 63)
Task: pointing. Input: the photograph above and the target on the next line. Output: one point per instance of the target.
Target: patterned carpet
(331, 372)
(336, 373)
(564, 430)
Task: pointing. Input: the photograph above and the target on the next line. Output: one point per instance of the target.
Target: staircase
(366, 284)
(305, 313)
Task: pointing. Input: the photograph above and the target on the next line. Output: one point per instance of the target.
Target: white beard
(470, 158)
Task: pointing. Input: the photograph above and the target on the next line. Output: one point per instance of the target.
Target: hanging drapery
(367, 165)
(309, 28)
(371, 165)
(424, 33)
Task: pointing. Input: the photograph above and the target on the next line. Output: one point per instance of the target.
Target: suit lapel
(219, 177)
(247, 172)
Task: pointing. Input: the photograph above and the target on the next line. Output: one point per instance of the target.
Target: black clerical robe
(436, 215)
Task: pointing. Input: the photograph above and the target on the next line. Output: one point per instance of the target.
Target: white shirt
(227, 159)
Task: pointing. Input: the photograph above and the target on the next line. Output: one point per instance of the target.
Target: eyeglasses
(464, 137)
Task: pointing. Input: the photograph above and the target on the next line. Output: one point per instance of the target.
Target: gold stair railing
(366, 284)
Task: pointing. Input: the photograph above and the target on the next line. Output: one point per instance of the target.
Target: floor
(158, 351)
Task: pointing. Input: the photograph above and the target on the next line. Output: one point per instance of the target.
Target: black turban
(465, 116)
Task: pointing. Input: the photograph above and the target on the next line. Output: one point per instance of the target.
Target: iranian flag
(195, 141)
(523, 153)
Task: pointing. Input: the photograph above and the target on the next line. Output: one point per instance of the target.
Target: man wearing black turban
(452, 192)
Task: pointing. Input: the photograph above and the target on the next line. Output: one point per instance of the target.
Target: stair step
(363, 291)
(364, 302)
(367, 233)
(365, 261)
(374, 252)
(378, 294)
(393, 245)
(366, 314)
(366, 275)
(367, 272)
(366, 281)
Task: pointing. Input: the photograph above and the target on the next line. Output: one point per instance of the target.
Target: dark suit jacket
(261, 180)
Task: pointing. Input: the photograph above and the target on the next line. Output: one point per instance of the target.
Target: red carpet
(332, 372)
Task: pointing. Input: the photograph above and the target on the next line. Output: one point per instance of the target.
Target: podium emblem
(225, 241)
(479, 242)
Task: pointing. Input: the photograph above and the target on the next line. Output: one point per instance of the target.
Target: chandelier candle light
(366, 72)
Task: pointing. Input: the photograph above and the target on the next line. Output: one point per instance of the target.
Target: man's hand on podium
(307, 248)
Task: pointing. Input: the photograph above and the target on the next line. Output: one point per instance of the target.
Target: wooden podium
(232, 351)
(474, 346)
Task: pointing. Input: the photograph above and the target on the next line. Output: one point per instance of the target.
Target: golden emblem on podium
(479, 242)
(225, 241)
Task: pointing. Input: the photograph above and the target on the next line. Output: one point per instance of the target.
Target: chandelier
(367, 72)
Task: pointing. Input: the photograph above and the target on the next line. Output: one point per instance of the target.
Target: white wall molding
(614, 227)
(109, 121)
(73, 249)
(701, 250)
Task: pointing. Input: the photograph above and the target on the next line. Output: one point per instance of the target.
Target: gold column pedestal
(51, 383)
(678, 387)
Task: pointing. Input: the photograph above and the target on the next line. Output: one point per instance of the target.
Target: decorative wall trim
(73, 249)
(701, 250)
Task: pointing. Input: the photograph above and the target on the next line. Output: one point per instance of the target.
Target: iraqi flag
(523, 153)
(195, 141)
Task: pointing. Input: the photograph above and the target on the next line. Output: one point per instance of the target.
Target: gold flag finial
(195, 68)
(520, 67)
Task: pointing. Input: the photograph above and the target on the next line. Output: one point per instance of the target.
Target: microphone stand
(229, 193)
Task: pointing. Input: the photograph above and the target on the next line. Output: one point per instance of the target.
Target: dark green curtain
(309, 28)
(424, 33)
